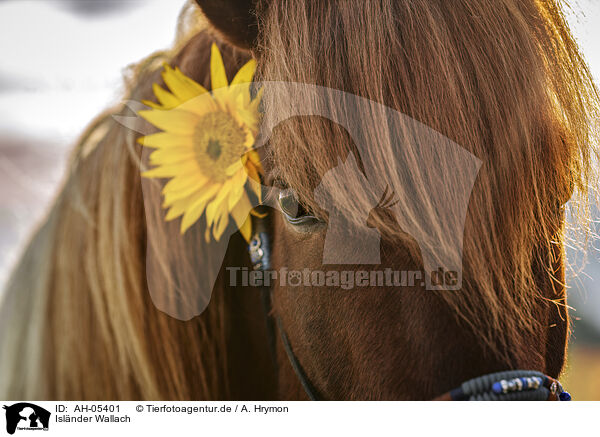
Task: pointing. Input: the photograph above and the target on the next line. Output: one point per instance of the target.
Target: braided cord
(511, 385)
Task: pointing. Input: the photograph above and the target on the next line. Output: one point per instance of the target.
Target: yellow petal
(254, 105)
(197, 208)
(252, 170)
(169, 171)
(240, 214)
(194, 86)
(183, 183)
(246, 230)
(181, 86)
(237, 189)
(224, 99)
(249, 119)
(221, 224)
(180, 206)
(254, 181)
(234, 168)
(218, 76)
(240, 94)
(166, 152)
(171, 156)
(249, 136)
(174, 196)
(152, 104)
(171, 120)
(166, 139)
(258, 214)
(215, 205)
(200, 105)
(164, 97)
(246, 73)
(255, 159)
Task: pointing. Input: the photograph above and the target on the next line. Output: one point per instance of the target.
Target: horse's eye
(293, 211)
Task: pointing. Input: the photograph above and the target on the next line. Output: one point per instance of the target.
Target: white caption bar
(294, 418)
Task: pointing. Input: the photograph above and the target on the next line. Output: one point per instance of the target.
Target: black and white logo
(27, 417)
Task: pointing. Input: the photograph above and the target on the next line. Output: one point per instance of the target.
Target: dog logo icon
(26, 416)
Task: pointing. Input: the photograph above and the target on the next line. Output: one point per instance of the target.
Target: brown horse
(503, 79)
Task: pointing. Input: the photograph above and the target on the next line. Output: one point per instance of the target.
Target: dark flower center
(213, 150)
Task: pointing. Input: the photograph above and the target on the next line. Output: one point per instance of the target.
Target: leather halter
(511, 385)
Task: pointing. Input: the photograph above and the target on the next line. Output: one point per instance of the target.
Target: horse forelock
(504, 83)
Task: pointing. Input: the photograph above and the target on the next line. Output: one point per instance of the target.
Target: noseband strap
(260, 257)
(511, 385)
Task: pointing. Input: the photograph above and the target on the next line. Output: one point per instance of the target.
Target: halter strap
(511, 385)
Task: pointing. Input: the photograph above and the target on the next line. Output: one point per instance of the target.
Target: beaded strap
(512, 385)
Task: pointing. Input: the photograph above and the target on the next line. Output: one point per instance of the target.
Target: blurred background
(61, 63)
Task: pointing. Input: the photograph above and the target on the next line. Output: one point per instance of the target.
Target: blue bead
(564, 396)
(497, 388)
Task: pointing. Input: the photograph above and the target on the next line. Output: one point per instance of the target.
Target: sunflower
(206, 147)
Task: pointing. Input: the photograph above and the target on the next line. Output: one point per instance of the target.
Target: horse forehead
(432, 174)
